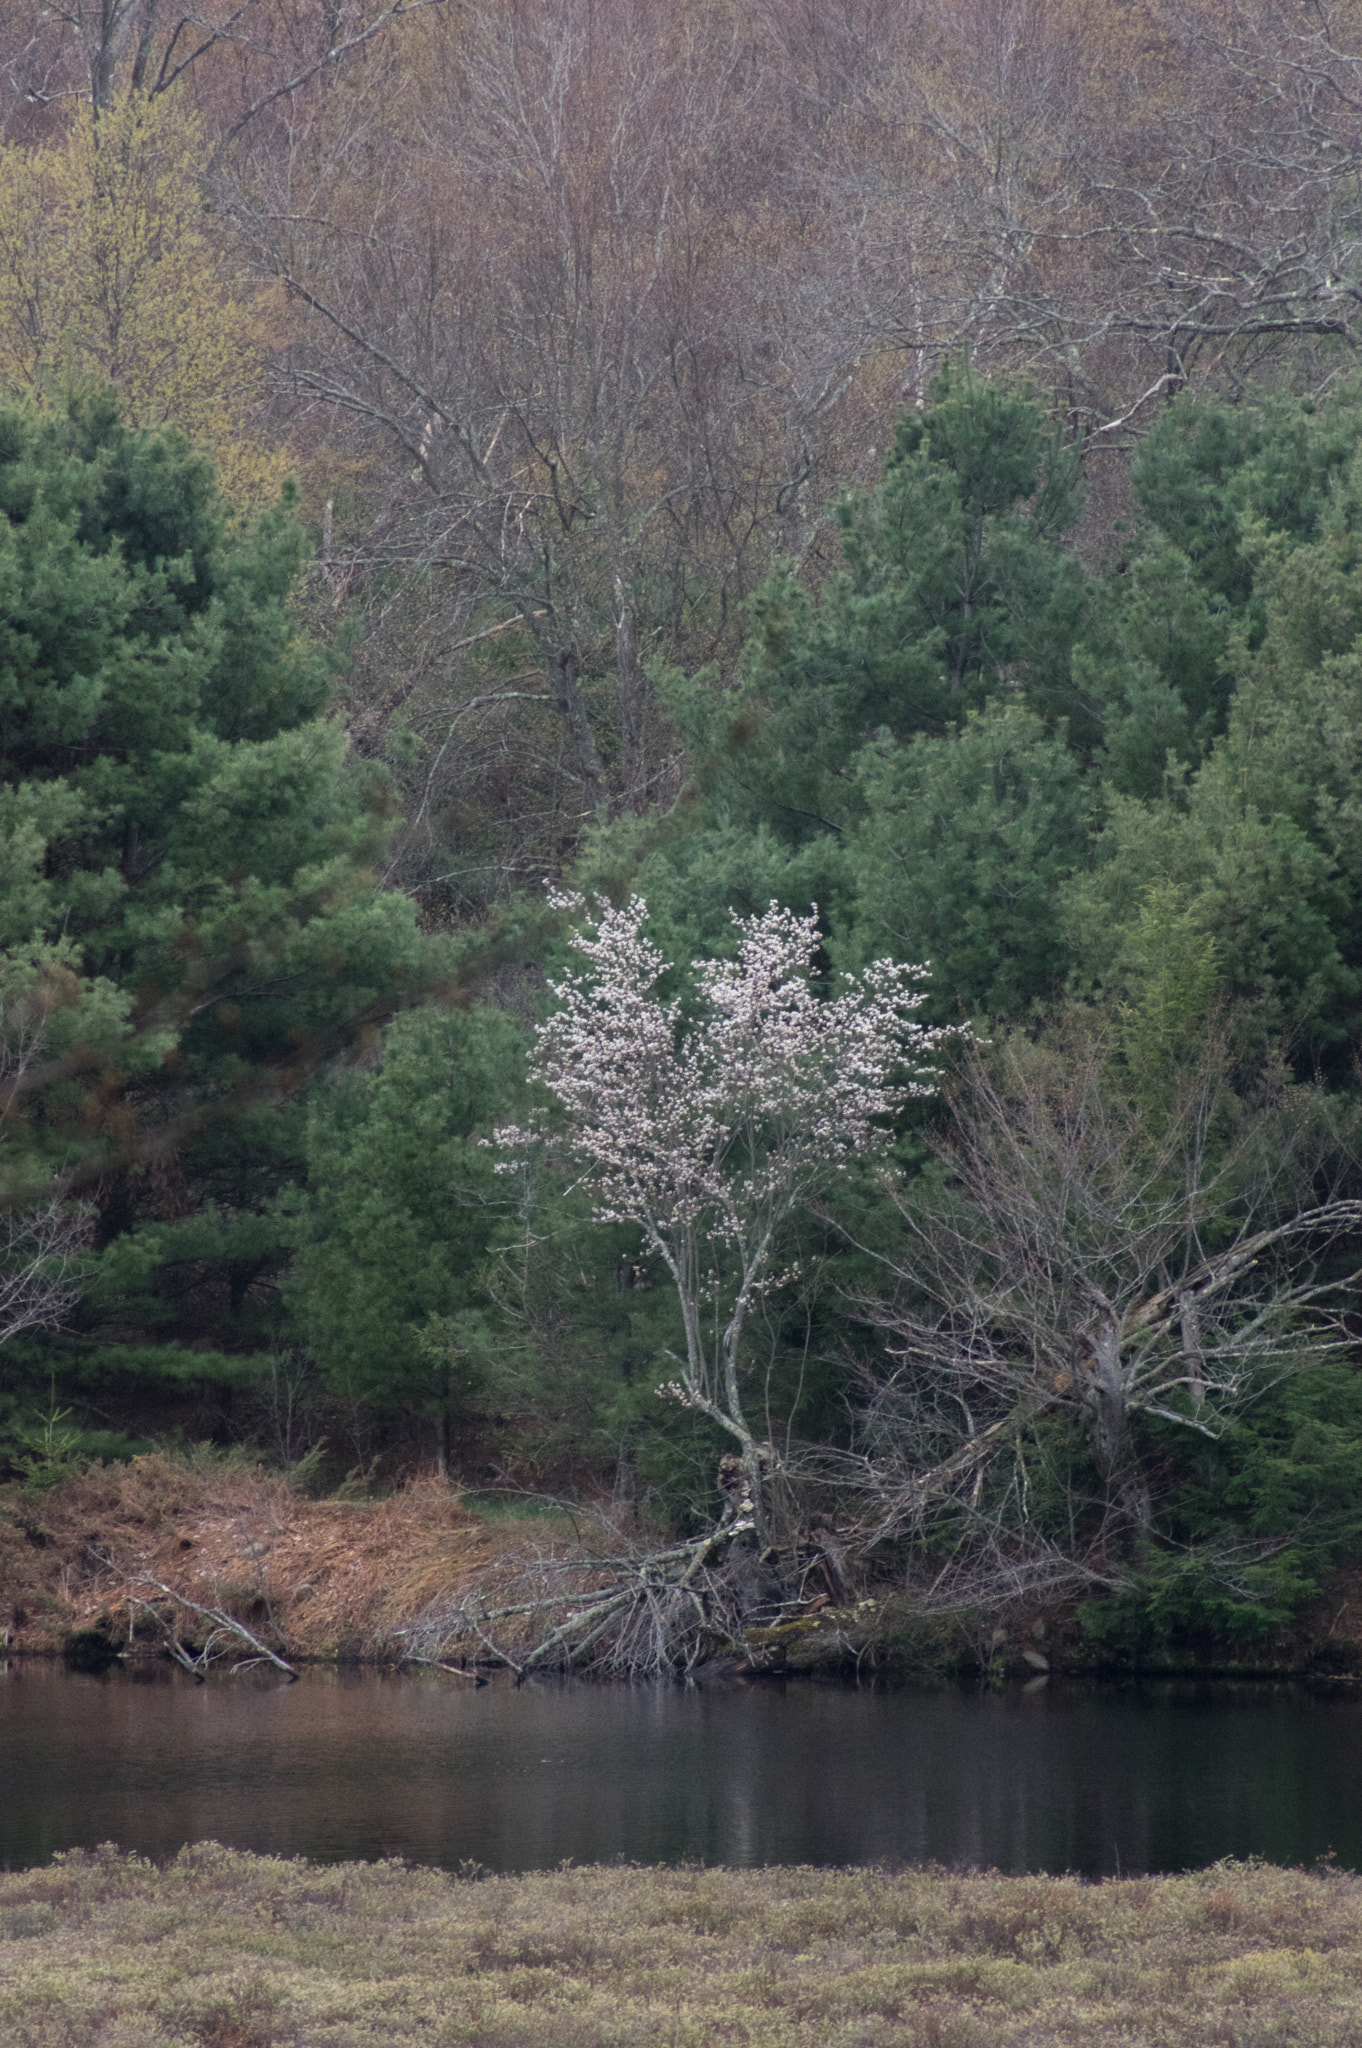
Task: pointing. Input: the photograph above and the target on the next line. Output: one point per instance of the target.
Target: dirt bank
(114, 1560)
(314, 1578)
(135, 1559)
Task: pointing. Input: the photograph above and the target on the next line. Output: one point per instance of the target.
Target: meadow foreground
(226, 1950)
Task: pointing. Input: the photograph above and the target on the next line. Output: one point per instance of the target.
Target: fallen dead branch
(474, 1676)
(630, 1610)
(224, 1629)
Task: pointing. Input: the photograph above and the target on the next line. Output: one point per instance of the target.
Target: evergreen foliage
(388, 1283)
(189, 922)
(1131, 788)
(961, 856)
(956, 585)
(1114, 808)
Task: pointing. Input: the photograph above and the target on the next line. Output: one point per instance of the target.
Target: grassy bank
(316, 1578)
(223, 1950)
(101, 1563)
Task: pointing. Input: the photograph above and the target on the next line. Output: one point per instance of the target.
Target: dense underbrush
(213, 1557)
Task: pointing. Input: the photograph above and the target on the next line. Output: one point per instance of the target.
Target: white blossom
(709, 1134)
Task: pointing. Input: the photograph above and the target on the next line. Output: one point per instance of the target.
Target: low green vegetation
(225, 1950)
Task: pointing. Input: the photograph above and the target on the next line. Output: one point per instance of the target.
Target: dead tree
(1087, 1258)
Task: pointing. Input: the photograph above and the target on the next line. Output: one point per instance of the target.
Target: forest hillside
(680, 822)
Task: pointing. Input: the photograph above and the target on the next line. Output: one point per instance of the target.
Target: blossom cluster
(721, 1126)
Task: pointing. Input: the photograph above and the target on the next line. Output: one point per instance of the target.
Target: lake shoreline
(882, 1676)
(123, 1562)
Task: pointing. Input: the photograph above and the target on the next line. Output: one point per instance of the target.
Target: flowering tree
(708, 1134)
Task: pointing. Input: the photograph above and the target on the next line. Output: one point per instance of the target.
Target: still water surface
(1156, 1777)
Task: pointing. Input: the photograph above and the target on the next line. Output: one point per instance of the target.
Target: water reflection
(344, 1765)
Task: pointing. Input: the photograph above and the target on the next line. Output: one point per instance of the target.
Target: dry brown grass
(225, 1950)
(316, 1578)
(369, 1580)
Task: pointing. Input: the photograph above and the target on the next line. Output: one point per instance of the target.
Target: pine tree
(393, 1232)
(956, 588)
(188, 909)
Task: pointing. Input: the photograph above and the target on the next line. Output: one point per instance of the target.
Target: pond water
(1095, 1780)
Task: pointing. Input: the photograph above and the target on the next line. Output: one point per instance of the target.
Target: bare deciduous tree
(588, 335)
(95, 48)
(1090, 1255)
(1159, 193)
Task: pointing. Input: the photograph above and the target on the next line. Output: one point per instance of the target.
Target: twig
(438, 1664)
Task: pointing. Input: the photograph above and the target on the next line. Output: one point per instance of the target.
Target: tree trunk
(758, 1463)
(630, 685)
(567, 692)
(104, 46)
(1111, 1437)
